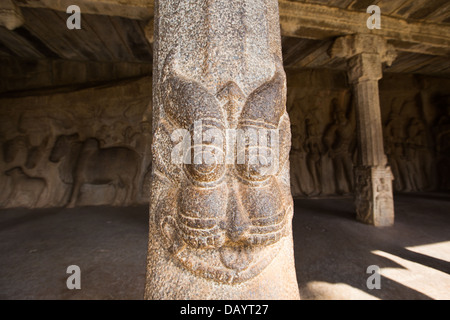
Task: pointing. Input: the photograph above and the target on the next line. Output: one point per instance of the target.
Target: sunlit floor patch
(319, 290)
(439, 250)
(429, 281)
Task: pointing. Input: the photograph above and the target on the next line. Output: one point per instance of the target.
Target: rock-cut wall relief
(81, 148)
(94, 147)
(324, 146)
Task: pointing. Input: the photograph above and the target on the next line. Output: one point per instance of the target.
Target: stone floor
(332, 251)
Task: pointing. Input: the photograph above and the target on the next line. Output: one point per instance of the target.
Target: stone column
(373, 178)
(220, 206)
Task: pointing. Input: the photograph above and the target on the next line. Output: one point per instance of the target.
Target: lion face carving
(223, 216)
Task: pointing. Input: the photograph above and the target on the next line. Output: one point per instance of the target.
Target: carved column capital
(10, 15)
(365, 53)
(149, 30)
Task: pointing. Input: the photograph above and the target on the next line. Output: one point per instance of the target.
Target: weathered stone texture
(221, 229)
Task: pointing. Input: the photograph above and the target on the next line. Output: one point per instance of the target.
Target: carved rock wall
(415, 112)
(323, 133)
(416, 119)
(86, 147)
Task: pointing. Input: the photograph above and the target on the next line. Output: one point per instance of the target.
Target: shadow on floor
(332, 248)
(332, 251)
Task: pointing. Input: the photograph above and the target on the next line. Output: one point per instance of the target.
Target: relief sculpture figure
(396, 139)
(297, 157)
(313, 147)
(340, 142)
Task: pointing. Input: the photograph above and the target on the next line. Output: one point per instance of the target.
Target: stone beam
(302, 20)
(320, 22)
(132, 9)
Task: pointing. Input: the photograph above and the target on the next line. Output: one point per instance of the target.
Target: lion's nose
(239, 222)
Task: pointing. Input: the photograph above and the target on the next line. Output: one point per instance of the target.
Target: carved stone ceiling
(405, 20)
(114, 31)
(436, 11)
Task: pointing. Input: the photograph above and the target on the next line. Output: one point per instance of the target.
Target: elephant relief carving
(21, 152)
(85, 162)
(20, 159)
(25, 190)
(223, 220)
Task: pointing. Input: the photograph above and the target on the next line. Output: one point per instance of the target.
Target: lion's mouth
(236, 258)
(211, 233)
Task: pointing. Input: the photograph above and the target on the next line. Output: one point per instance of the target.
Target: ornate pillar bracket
(10, 15)
(366, 54)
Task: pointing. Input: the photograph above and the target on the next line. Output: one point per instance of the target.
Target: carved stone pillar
(220, 206)
(373, 188)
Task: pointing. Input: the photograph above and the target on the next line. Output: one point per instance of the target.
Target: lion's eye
(207, 163)
(203, 169)
(260, 163)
